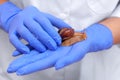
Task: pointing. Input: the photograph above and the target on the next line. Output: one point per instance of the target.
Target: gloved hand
(36, 27)
(99, 38)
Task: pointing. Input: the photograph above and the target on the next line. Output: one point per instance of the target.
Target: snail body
(70, 37)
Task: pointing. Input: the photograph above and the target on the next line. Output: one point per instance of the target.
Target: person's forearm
(2, 1)
(114, 25)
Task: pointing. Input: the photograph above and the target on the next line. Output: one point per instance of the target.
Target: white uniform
(103, 65)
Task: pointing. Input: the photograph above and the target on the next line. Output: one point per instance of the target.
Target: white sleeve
(116, 12)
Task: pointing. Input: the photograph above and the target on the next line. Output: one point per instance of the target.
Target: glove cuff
(7, 11)
(100, 37)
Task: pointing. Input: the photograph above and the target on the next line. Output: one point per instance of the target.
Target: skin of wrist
(113, 23)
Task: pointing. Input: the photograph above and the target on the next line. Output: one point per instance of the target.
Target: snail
(70, 37)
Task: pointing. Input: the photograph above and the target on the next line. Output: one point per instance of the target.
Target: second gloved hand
(36, 27)
(99, 37)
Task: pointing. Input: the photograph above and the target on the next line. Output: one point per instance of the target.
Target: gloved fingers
(34, 42)
(37, 66)
(40, 34)
(18, 44)
(48, 27)
(26, 59)
(47, 62)
(77, 53)
(17, 53)
(56, 21)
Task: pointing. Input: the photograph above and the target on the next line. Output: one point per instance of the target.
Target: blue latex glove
(36, 27)
(99, 38)
(35, 61)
